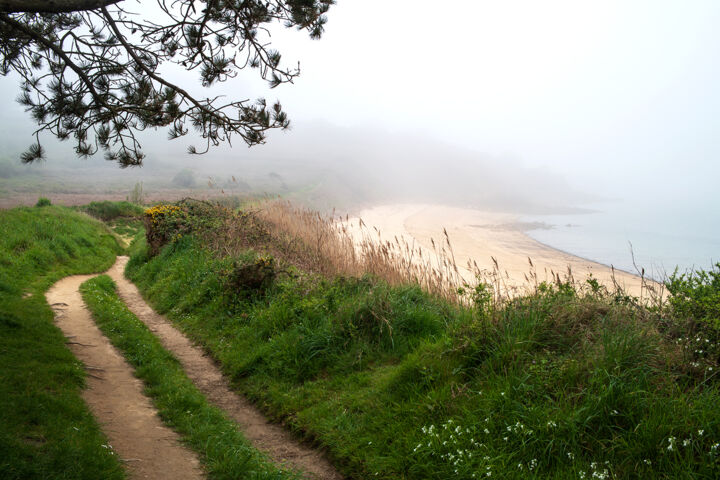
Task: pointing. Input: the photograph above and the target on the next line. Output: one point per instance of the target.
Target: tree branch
(60, 53)
(52, 6)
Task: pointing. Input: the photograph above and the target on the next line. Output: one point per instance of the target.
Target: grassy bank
(396, 383)
(222, 448)
(47, 431)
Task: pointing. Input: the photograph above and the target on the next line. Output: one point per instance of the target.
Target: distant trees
(91, 69)
(184, 178)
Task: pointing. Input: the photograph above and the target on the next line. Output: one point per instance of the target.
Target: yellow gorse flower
(158, 212)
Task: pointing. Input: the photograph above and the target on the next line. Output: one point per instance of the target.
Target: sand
(479, 236)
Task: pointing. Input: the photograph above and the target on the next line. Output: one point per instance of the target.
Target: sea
(632, 236)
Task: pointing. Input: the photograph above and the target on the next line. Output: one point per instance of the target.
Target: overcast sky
(596, 89)
(615, 95)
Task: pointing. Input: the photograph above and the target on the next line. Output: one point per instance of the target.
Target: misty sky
(620, 97)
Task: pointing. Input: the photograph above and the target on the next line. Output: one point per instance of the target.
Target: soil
(149, 449)
(270, 438)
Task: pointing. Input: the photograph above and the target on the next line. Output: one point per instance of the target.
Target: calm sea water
(662, 237)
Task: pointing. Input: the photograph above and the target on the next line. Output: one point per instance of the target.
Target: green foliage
(248, 278)
(696, 295)
(43, 202)
(108, 211)
(165, 223)
(47, 431)
(217, 439)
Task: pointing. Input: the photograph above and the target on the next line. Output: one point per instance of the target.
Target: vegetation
(223, 449)
(47, 431)
(108, 211)
(109, 49)
(124, 218)
(43, 202)
(184, 178)
(566, 381)
(696, 295)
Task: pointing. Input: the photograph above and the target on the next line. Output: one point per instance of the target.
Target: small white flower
(700, 432)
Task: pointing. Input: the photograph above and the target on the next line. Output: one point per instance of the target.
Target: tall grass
(335, 246)
(396, 382)
(332, 245)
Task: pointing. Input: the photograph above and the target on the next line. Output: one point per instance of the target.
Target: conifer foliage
(92, 70)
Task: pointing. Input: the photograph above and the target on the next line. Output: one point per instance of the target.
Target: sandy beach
(478, 237)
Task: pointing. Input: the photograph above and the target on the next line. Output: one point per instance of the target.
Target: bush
(245, 279)
(43, 202)
(184, 178)
(166, 223)
(696, 295)
(107, 210)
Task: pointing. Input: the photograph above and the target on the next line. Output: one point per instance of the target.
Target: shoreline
(488, 239)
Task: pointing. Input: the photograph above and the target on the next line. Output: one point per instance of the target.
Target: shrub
(43, 202)
(107, 210)
(247, 278)
(696, 295)
(184, 178)
(166, 222)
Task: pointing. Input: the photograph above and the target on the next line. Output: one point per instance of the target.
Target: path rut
(270, 438)
(149, 449)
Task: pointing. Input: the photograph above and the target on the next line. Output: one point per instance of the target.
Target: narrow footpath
(267, 437)
(148, 448)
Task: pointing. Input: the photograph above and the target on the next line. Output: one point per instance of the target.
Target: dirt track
(270, 438)
(149, 449)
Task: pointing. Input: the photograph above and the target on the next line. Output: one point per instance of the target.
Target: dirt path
(149, 449)
(270, 438)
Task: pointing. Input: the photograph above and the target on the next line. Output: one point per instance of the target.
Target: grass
(123, 218)
(47, 431)
(399, 383)
(108, 211)
(224, 451)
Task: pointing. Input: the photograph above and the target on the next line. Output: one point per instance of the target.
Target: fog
(535, 107)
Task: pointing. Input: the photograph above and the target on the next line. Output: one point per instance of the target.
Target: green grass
(397, 384)
(108, 211)
(224, 451)
(123, 218)
(46, 430)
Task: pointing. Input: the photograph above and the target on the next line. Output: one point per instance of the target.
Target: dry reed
(333, 245)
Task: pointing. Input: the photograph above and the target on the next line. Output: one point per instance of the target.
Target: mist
(517, 106)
